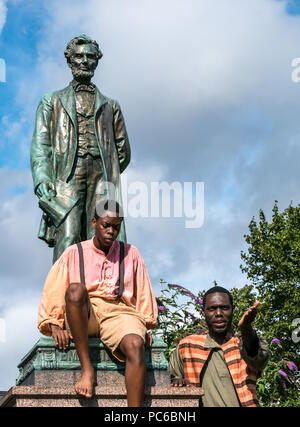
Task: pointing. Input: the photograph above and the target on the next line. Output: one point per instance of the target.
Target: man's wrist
(53, 326)
(250, 340)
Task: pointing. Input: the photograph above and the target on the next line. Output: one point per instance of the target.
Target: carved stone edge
(44, 355)
(33, 394)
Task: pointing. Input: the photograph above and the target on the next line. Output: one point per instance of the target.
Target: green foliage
(279, 384)
(179, 314)
(243, 299)
(272, 264)
(180, 311)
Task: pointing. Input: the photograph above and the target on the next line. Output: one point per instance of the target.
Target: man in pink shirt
(76, 310)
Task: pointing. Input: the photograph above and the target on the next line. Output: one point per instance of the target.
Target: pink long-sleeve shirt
(102, 280)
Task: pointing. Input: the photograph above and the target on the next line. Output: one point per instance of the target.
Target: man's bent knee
(76, 293)
(132, 345)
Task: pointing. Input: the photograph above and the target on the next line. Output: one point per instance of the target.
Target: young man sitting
(72, 309)
(224, 364)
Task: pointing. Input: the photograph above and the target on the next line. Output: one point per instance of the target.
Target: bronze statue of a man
(79, 149)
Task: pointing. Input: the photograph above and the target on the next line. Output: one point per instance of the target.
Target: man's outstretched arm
(249, 336)
(254, 348)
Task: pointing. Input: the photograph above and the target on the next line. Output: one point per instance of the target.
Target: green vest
(87, 141)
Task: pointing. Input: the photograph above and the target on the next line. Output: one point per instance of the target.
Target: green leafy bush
(180, 314)
(279, 384)
(272, 265)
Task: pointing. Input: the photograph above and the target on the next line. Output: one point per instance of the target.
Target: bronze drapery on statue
(79, 149)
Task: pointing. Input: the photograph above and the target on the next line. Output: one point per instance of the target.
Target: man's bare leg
(133, 348)
(77, 314)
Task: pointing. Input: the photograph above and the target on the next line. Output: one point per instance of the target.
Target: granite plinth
(45, 364)
(157, 396)
(47, 377)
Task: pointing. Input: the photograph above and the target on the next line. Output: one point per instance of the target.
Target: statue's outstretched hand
(248, 317)
(46, 189)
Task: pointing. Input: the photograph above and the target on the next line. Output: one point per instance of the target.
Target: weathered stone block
(45, 364)
(41, 396)
(47, 376)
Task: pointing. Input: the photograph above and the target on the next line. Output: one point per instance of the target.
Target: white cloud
(24, 258)
(207, 95)
(20, 320)
(3, 11)
(182, 54)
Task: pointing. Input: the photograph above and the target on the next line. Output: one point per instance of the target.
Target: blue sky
(293, 7)
(207, 96)
(18, 47)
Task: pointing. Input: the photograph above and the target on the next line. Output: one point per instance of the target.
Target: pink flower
(292, 366)
(161, 308)
(276, 341)
(282, 373)
(183, 290)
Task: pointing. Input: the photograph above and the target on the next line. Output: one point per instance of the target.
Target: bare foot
(85, 385)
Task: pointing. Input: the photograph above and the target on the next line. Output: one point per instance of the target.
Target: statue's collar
(67, 99)
(77, 86)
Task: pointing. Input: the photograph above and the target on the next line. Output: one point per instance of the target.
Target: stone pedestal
(47, 377)
(60, 396)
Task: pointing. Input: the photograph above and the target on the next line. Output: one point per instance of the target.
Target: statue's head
(82, 55)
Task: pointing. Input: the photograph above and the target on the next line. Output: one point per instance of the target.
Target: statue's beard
(82, 74)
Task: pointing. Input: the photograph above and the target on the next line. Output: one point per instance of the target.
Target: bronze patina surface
(79, 149)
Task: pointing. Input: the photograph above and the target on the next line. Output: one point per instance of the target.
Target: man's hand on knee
(61, 337)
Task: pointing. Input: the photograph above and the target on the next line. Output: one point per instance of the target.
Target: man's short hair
(83, 39)
(216, 289)
(108, 206)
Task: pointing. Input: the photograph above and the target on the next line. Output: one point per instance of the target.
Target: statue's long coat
(54, 144)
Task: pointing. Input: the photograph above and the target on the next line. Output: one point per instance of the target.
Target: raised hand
(249, 316)
(249, 336)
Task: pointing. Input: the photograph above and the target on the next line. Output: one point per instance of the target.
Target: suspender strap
(121, 269)
(81, 263)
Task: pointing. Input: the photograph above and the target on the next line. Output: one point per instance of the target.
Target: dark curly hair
(218, 289)
(83, 39)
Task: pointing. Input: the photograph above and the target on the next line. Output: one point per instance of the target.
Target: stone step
(65, 396)
(45, 364)
(47, 377)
